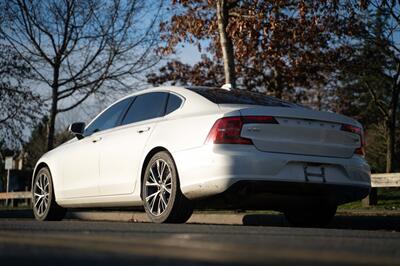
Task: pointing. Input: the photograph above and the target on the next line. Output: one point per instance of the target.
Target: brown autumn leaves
(279, 45)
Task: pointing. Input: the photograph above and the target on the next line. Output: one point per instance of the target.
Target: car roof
(177, 89)
(196, 99)
(184, 91)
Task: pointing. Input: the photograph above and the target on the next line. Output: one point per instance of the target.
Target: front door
(81, 168)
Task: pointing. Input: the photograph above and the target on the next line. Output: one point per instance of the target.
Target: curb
(141, 217)
(114, 216)
(137, 217)
(223, 218)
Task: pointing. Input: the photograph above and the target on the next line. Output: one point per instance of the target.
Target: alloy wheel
(158, 187)
(41, 196)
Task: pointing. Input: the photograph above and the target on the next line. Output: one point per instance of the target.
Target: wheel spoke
(163, 201)
(158, 169)
(158, 204)
(46, 202)
(41, 182)
(41, 207)
(39, 186)
(152, 176)
(148, 184)
(163, 165)
(46, 184)
(152, 195)
(37, 202)
(153, 200)
(168, 180)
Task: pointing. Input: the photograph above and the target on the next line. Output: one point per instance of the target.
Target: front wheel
(162, 197)
(45, 208)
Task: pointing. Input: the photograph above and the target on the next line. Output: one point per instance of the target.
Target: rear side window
(174, 102)
(146, 106)
(221, 96)
(109, 118)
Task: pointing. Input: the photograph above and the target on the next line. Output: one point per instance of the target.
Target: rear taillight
(227, 129)
(359, 131)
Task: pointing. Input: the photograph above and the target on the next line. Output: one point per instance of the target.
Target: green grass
(388, 199)
(19, 207)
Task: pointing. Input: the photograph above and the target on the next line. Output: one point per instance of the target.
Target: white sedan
(167, 148)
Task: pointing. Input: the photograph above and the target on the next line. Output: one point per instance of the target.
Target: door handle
(142, 130)
(97, 139)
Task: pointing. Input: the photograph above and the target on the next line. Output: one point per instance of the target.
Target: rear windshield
(221, 96)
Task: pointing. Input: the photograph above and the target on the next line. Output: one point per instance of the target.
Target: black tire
(311, 216)
(175, 207)
(43, 185)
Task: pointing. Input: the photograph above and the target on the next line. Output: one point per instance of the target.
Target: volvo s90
(169, 148)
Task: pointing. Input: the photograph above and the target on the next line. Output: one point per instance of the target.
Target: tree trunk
(391, 132)
(52, 120)
(54, 103)
(390, 143)
(226, 43)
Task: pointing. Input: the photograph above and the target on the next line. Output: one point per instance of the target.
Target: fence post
(371, 199)
(8, 185)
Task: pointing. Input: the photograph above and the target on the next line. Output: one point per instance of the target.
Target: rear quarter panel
(186, 128)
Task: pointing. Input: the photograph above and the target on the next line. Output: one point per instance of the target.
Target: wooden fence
(377, 181)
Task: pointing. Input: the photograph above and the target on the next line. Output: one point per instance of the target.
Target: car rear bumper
(282, 195)
(214, 169)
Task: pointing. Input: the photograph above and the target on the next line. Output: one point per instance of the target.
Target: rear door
(121, 151)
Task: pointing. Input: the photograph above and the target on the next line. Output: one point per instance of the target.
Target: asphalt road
(27, 242)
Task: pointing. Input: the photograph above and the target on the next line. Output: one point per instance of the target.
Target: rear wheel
(162, 197)
(311, 216)
(45, 208)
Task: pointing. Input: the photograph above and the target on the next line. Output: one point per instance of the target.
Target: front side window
(109, 118)
(146, 106)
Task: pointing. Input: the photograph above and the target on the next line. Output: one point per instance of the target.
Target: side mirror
(77, 129)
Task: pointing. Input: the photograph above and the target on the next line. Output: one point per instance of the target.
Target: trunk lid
(300, 131)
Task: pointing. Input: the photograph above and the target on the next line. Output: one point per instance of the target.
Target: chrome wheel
(158, 187)
(41, 194)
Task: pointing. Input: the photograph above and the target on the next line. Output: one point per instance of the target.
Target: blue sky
(188, 54)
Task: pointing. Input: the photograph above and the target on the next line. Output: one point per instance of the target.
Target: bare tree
(77, 48)
(389, 111)
(382, 78)
(19, 107)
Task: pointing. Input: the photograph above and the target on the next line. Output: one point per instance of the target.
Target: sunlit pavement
(27, 242)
